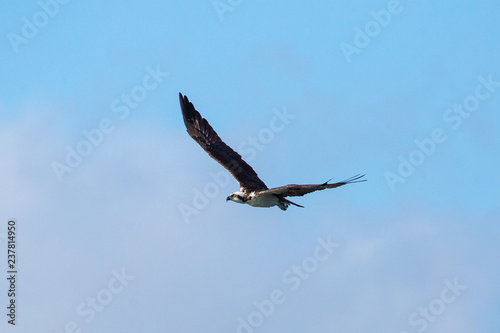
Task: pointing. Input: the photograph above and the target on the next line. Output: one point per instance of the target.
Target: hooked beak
(228, 198)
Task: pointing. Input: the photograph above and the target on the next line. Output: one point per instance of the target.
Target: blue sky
(122, 220)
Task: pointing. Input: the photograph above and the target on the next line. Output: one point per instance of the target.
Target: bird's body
(254, 199)
(253, 191)
(263, 200)
(260, 199)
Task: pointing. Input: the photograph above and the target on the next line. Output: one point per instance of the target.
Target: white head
(237, 196)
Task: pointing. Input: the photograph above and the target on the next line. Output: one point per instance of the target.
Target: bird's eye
(234, 195)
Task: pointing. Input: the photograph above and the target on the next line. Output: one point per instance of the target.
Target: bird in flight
(252, 191)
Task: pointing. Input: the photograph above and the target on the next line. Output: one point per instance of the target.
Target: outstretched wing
(201, 131)
(299, 190)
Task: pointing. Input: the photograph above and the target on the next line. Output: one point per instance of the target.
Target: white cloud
(120, 209)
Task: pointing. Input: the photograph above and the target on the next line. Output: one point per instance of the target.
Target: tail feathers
(291, 202)
(284, 203)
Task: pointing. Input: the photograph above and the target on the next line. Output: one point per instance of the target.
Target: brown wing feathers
(201, 131)
(294, 190)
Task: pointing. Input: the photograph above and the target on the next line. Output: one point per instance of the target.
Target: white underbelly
(263, 201)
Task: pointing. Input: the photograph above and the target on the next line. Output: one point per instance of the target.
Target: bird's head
(237, 196)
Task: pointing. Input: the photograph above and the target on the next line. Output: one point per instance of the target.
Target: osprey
(252, 191)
